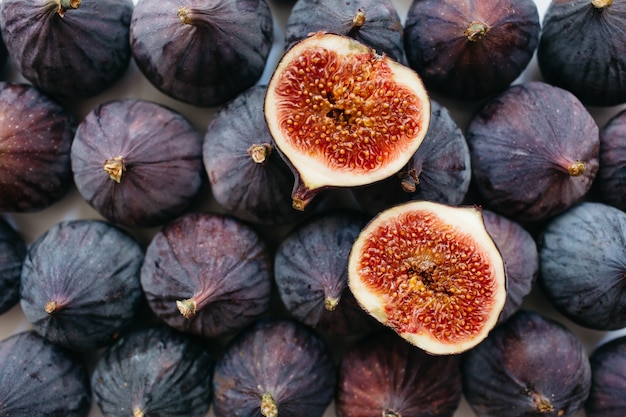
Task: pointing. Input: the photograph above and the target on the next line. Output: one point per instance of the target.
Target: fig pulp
(608, 380)
(611, 180)
(342, 115)
(12, 254)
(431, 273)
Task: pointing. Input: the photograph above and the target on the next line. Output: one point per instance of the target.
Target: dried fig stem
(601, 4)
(67, 4)
(357, 22)
(51, 307)
(115, 167)
(476, 31)
(576, 169)
(268, 406)
(330, 303)
(542, 403)
(259, 153)
(391, 413)
(187, 308)
(138, 412)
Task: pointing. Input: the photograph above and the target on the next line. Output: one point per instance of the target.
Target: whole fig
(12, 254)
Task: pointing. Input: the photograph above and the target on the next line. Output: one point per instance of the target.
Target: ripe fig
(342, 115)
(80, 283)
(154, 371)
(534, 151)
(68, 48)
(576, 54)
(198, 52)
(473, 49)
(207, 274)
(40, 378)
(611, 179)
(608, 381)
(383, 375)
(276, 367)
(582, 257)
(528, 366)
(35, 141)
(12, 254)
(430, 272)
(138, 163)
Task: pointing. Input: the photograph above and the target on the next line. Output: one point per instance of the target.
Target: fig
(430, 272)
(201, 53)
(528, 366)
(438, 171)
(534, 151)
(341, 115)
(608, 381)
(576, 54)
(275, 367)
(40, 378)
(154, 371)
(375, 23)
(582, 259)
(80, 283)
(611, 178)
(383, 375)
(473, 49)
(68, 48)
(137, 162)
(207, 274)
(12, 254)
(35, 142)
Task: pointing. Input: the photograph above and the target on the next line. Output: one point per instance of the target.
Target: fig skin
(528, 366)
(276, 367)
(80, 283)
(534, 151)
(154, 371)
(473, 49)
(201, 53)
(581, 49)
(12, 254)
(383, 375)
(582, 265)
(611, 178)
(608, 367)
(207, 274)
(35, 142)
(161, 162)
(40, 378)
(77, 55)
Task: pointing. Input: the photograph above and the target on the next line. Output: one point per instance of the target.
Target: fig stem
(391, 413)
(67, 4)
(601, 4)
(330, 303)
(409, 181)
(183, 14)
(357, 22)
(259, 153)
(269, 408)
(115, 167)
(138, 412)
(187, 308)
(542, 403)
(476, 31)
(51, 307)
(576, 169)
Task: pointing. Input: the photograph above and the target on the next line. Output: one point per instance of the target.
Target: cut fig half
(432, 273)
(342, 115)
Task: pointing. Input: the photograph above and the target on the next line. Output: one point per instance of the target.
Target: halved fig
(432, 273)
(342, 115)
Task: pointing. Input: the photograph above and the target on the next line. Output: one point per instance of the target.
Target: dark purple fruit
(582, 257)
(383, 375)
(40, 378)
(154, 371)
(581, 49)
(137, 162)
(534, 151)
(274, 368)
(201, 53)
(12, 254)
(611, 180)
(80, 283)
(68, 48)
(529, 366)
(608, 380)
(207, 274)
(471, 49)
(35, 138)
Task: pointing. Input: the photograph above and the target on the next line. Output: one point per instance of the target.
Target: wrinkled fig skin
(274, 368)
(383, 375)
(75, 56)
(611, 180)
(529, 366)
(161, 154)
(207, 274)
(581, 49)
(473, 49)
(582, 259)
(40, 378)
(154, 371)
(526, 146)
(439, 170)
(80, 283)
(608, 380)
(248, 178)
(12, 254)
(381, 30)
(198, 52)
(35, 138)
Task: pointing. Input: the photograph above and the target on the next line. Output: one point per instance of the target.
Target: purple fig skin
(534, 151)
(383, 375)
(12, 254)
(154, 152)
(77, 55)
(201, 53)
(608, 380)
(207, 274)
(35, 140)
(611, 179)
(528, 366)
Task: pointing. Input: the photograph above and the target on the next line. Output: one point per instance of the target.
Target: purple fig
(12, 254)
(608, 380)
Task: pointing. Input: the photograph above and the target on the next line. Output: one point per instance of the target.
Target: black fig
(608, 380)
(12, 254)
(611, 179)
